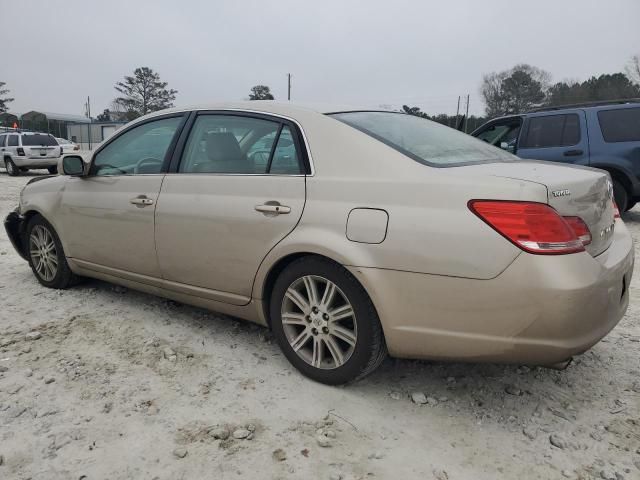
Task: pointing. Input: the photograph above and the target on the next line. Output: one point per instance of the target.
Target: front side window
(425, 141)
(235, 144)
(552, 131)
(140, 150)
(503, 135)
(620, 125)
(13, 141)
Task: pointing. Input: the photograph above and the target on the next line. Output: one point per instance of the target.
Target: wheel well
(275, 272)
(621, 177)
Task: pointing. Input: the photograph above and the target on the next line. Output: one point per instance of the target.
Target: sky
(421, 53)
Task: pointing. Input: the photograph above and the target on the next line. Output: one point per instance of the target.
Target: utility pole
(457, 113)
(289, 86)
(466, 116)
(89, 115)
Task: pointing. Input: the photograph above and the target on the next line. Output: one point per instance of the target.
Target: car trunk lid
(571, 190)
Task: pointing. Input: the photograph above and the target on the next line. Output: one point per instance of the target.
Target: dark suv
(605, 135)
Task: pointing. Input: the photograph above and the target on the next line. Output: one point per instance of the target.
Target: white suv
(23, 151)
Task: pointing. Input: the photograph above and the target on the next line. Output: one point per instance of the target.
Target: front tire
(12, 170)
(325, 323)
(46, 256)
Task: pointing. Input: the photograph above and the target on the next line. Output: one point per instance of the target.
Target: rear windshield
(37, 139)
(620, 125)
(425, 141)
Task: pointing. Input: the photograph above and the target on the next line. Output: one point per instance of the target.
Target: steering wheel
(146, 161)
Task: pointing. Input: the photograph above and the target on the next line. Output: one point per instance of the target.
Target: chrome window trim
(203, 109)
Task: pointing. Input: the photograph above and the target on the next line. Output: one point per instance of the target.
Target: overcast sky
(424, 53)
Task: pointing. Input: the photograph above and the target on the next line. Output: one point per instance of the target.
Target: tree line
(524, 87)
(516, 90)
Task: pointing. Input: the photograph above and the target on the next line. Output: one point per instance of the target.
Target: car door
(557, 137)
(237, 189)
(108, 216)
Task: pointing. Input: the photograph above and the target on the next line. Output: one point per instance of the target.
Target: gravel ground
(102, 382)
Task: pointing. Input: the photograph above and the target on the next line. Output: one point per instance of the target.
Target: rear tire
(46, 256)
(621, 196)
(338, 337)
(12, 170)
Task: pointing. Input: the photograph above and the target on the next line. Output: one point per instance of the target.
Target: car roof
(272, 106)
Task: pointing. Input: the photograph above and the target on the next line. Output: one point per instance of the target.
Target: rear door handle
(573, 153)
(141, 201)
(273, 209)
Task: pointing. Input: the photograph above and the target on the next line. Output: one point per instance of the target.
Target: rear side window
(422, 140)
(236, 144)
(13, 141)
(39, 140)
(552, 131)
(620, 125)
(3, 138)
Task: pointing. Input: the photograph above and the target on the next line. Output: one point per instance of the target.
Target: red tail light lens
(533, 227)
(616, 210)
(20, 151)
(580, 229)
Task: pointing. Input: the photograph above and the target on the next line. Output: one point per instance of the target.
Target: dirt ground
(102, 382)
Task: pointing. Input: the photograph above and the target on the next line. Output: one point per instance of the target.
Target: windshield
(425, 141)
(37, 139)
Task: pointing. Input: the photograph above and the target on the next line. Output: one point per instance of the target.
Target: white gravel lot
(123, 385)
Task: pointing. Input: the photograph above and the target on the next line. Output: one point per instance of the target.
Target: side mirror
(507, 147)
(73, 165)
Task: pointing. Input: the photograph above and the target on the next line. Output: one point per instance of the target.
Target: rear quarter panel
(430, 229)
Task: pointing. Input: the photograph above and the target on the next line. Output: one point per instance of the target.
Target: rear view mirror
(73, 165)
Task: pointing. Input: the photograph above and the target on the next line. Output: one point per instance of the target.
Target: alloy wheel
(44, 255)
(319, 322)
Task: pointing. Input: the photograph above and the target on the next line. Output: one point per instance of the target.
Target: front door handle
(141, 201)
(573, 153)
(273, 209)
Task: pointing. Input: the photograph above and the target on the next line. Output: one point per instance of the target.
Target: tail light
(616, 210)
(61, 150)
(533, 227)
(580, 229)
(20, 151)
(76, 147)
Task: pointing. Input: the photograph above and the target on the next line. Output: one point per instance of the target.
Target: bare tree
(515, 90)
(4, 100)
(633, 69)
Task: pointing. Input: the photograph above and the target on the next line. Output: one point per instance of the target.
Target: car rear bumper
(541, 310)
(14, 225)
(35, 162)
